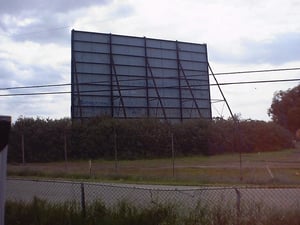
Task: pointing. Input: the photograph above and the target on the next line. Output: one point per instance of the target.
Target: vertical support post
(65, 150)
(208, 82)
(83, 211)
(240, 153)
(23, 148)
(111, 78)
(116, 150)
(173, 154)
(75, 79)
(179, 81)
(147, 82)
(238, 206)
(90, 168)
(5, 123)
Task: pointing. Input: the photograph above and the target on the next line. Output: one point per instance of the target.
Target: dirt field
(271, 168)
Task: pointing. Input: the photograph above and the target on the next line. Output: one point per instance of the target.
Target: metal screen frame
(133, 77)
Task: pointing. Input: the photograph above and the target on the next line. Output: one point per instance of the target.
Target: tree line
(46, 140)
(285, 109)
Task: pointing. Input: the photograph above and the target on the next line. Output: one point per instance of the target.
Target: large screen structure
(138, 77)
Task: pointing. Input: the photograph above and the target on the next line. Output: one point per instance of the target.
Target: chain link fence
(237, 199)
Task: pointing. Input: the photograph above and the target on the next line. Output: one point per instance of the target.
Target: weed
(41, 212)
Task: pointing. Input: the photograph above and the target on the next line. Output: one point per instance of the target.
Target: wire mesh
(241, 199)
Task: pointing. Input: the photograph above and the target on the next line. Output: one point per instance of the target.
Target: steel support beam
(179, 81)
(147, 77)
(114, 73)
(190, 89)
(156, 90)
(74, 71)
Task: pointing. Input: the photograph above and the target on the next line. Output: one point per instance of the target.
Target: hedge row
(45, 140)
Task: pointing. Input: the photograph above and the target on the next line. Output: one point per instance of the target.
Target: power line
(258, 82)
(257, 71)
(217, 74)
(36, 93)
(139, 87)
(35, 86)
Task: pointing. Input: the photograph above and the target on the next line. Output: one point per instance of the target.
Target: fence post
(173, 154)
(65, 149)
(90, 168)
(82, 200)
(5, 123)
(116, 150)
(238, 206)
(23, 148)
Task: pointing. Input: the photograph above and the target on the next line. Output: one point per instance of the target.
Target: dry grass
(124, 213)
(280, 168)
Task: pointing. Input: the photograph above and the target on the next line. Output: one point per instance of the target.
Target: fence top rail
(154, 187)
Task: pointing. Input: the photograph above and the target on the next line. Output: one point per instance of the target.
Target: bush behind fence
(39, 140)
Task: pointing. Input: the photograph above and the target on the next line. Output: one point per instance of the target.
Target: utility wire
(140, 87)
(35, 86)
(257, 71)
(257, 82)
(216, 74)
(36, 93)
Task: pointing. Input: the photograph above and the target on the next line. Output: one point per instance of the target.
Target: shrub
(247, 136)
(144, 138)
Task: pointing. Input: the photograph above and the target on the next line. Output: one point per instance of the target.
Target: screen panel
(137, 77)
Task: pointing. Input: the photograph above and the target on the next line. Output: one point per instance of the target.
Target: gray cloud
(41, 21)
(15, 7)
(122, 11)
(282, 49)
(49, 29)
(7, 76)
(28, 75)
(17, 74)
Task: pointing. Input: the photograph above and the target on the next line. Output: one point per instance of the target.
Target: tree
(285, 108)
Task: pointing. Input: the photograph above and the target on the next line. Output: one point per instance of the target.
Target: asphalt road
(142, 195)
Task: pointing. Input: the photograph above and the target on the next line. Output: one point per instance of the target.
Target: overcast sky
(240, 35)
